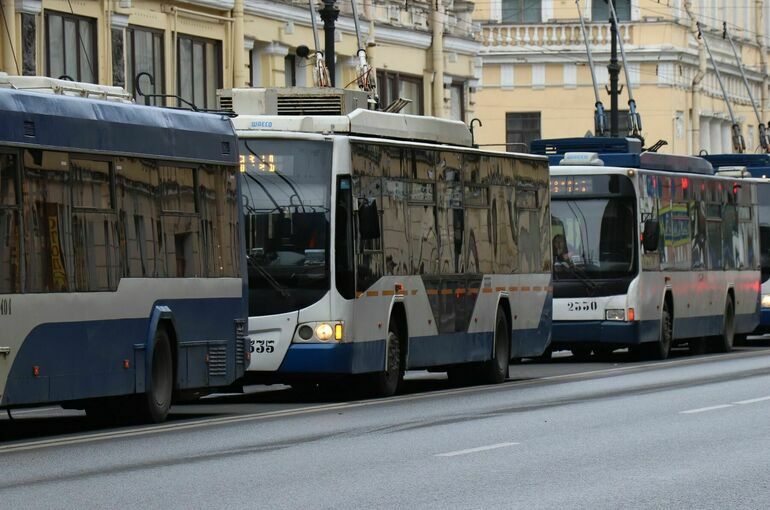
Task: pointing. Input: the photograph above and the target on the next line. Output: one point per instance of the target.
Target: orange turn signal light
(631, 314)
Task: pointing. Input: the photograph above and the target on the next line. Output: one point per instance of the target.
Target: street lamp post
(329, 14)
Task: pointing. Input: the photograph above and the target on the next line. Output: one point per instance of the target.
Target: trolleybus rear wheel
(153, 405)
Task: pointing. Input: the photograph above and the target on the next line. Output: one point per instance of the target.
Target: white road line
(704, 409)
(752, 400)
(475, 450)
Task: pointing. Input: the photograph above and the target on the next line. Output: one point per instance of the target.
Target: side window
(714, 236)
(395, 239)
(367, 194)
(423, 235)
(180, 222)
(94, 228)
(697, 213)
(451, 220)
(218, 211)
(137, 195)
(47, 238)
(478, 226)
(10, 240)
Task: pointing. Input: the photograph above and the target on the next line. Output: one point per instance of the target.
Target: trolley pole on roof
(329, 14)
(738, 144)
(600, 117)
(763, 141)
(614, 71)
(634, 119)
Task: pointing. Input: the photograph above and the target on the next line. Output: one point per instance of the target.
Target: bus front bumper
(567, 333)
(334, 358)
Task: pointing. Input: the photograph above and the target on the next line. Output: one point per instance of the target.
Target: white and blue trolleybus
(121, 286)
(380, 242)
(758, 166)
(650, 250)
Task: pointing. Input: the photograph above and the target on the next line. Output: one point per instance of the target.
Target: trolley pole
(329, 14)
(614, 71)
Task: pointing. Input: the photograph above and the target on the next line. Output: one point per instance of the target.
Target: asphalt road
(691, 432)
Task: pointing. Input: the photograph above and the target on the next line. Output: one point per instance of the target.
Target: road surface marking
(476, 450)
(704, 409)
(259, 416)
(752, 400)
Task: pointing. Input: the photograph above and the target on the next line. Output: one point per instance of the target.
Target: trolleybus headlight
(765, 300)
(615, 315)
(324, 331)
(305, 332)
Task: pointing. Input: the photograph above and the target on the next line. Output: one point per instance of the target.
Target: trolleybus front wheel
(386, 383)
(724, 342)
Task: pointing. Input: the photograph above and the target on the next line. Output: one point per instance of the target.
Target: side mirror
(368, 220)
(651, 235)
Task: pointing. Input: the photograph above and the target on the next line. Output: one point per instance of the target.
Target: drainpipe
(438, 58)
(760, 31)
(9, 61)
(239, 69)
(696, 81)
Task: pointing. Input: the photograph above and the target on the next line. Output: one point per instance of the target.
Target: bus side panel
(532, 314)
(80, 360)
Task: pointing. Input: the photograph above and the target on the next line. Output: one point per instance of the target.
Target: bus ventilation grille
(310, 105)
(225, 102)
(217, 361)
(240, 351)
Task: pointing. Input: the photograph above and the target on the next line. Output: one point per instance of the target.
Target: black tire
(661, 349)
(153, 405)
(386, 383)
(725, 341)
(495, 371)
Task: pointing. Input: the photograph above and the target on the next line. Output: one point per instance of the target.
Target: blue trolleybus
(121, 286)
(650, 250)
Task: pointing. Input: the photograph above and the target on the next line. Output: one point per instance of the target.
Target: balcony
(550, 37)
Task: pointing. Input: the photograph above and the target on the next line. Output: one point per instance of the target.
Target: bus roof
(99, 126)
(758, 165)
(397, 126)
(616, 152)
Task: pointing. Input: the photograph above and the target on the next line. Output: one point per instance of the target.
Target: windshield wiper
(582, 278)
(268, 277)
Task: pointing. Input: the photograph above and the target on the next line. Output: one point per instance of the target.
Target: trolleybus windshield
(593, 237)
(286, 187)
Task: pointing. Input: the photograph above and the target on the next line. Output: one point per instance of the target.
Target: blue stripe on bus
(566, 333)
(80, 360)
(425, 351)
(764, 319)
(533, 342)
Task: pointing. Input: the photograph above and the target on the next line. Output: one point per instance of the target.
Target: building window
(457, 101)
(600, 10)
(520, 130)
(199, 70)
(290, 70)
(393, 86)
(144, 54)
(70, 43)
(521, 11)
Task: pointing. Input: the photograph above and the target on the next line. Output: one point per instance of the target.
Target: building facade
(193, 47)
(536, 81)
